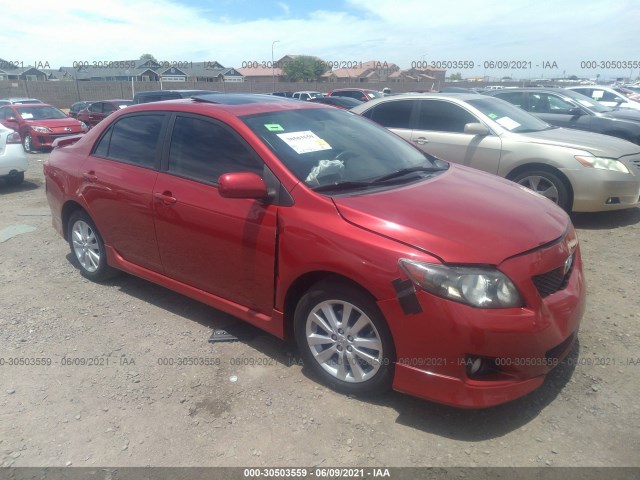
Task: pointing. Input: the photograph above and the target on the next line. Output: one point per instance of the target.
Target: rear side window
(133, 139)
(392, 114)
(203, 150)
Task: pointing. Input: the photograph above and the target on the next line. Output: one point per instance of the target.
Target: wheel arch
(546, 167)
(303, 283)
(68, 209)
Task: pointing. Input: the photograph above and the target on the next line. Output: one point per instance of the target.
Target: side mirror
(12, 119)
(476, 129)
(241, 185)
(575, 111)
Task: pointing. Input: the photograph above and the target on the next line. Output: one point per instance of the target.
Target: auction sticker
(304, 142)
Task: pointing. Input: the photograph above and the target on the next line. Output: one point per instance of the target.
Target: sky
(523, 39)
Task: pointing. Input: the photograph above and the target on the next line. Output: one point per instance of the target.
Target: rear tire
(343, 337)
(87, 248)
(16, 179)
(548, 185)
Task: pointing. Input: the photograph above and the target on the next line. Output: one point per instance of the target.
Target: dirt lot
(131, 408)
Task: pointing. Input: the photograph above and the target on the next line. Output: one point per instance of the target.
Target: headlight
(84, 126)
(602, 163)
(481, 287)
(41, 129)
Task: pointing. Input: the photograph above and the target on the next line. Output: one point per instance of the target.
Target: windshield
(508, 116)
(328, 146)
(585, 101)
(40, 113)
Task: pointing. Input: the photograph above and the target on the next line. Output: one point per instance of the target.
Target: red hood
(461, 216)
(54, 122)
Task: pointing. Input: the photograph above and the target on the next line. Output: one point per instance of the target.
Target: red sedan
(98, 111)
(390, 268)
(39, 124)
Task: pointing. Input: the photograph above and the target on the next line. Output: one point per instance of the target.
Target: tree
(573, 77)
(148, 56)
(303, 68)
(455, 76)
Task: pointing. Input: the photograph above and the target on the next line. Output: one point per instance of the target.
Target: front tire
(343, 337)
(87, 248)
(548, 185)
(27, 144)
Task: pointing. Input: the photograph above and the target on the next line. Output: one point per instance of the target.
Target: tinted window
(108, 108)
(440, 116)
(132, 140)
(519, 99)
(392, 114)
(204, 150)
(95, 107)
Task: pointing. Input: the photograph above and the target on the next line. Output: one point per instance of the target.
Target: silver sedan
(580, 171)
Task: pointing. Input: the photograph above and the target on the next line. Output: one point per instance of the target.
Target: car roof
(354, 90)
(236, 104)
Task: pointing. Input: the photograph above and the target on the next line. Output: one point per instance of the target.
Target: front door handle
(90, 176)
(421, 140)
(165, 197)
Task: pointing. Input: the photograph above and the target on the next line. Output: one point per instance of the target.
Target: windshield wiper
(341, 186)
(406, 171)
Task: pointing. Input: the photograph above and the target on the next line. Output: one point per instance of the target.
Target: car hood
(624, 114)
(460, 216)
(597, 144)
(54, 122)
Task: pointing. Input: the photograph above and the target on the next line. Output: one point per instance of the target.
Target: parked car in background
(18, 101)
(607, 96)
(307, 95)
(340, 102)
(160, 95)
(76, 107)
(282, 94)
(13, 161)
(39, 124)
(566, 108)
(362, 94)
(390, 268)
(580, 171)
(98, 111)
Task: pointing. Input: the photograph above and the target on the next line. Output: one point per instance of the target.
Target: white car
(307, 95)
(607, 96)
(13, 160)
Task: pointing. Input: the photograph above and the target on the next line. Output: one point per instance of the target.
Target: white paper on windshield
(508, 123)
(304, 142)
(597, 94)
(27, 116)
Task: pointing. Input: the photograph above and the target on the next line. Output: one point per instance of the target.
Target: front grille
(66, 134)
(636, 163)
(552, 282)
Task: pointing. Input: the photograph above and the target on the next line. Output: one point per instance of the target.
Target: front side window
(133, 139)
(203, 150)
(95, 107)
(440, 116)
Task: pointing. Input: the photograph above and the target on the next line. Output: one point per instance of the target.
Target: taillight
(14, 138)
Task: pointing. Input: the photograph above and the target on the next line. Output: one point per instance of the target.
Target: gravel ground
(253, 404)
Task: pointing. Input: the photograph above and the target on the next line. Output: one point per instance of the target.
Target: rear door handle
(90, 176)
(421, 140)
(165, 197)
